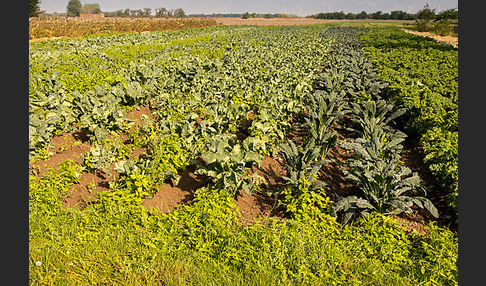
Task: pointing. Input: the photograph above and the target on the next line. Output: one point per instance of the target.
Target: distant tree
(362, 15)
(253, 15)
(179, 13)
(448, 14)
(147, 11)
(385, 16)
(444, 20)
(398, 15)
(339, 15)
(160, 12)
(91, 8)
(350, 16)
(245, 15)
(133, 13)
(74, 8)
(424, 16)
(34, 8)
(170, 13)
(376, 15)
(126, 12)
(117, 13)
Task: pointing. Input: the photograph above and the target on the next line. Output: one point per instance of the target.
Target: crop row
(348, 87)
(422, 77)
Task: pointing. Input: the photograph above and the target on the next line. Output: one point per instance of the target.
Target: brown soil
(169, 197)
(135, 115)
(332, 174)
(252, 208)
(256, 207)
(83, 193)
(67, 146)
(446, 39)
(412, 222)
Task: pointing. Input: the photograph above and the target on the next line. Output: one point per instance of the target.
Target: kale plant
(387, 187)
(302, 163)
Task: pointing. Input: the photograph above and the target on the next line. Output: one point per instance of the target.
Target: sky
(300, 8)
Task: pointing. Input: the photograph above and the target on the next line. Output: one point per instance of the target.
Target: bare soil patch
(136, 114)
(169, 197)
(445, 39)
(332, 174)
(257, 207)
(272, 170)
(65, 146)
(83, 193)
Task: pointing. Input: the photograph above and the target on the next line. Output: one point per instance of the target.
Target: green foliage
(304, 202)
(144, 134)
(422, 77)
(202, 85)
(226, 162)
(47, 191)
(387, 189)
(165, 158)
(425, 15)
(443, 21)
(34, 8)
(205, 243)
(74, 8)
(441, 149)
(324, 109)
(100, 113)
(436, 256)
(302, 163)
(373, 118)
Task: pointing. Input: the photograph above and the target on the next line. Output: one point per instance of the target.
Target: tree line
(363, 15)
(159, 12)
(74, 8)
(425, 13)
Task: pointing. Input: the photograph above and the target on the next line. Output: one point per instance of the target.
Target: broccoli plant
(226, 162)
(100, 113)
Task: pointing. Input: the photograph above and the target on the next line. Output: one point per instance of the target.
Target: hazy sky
(301, 8)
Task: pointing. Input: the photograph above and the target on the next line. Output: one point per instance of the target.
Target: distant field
(46, 28)
(78, 27)
(303, 21)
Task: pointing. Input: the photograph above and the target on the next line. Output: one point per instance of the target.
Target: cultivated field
(271, 21)
(55, 27)
(244, 155)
